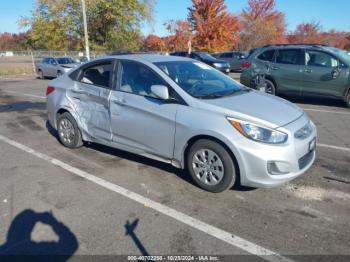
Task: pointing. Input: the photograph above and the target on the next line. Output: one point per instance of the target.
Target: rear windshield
(65, 60)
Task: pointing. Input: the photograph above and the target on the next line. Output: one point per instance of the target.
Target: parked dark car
(206, 58)
(235, 59)
(306, 70)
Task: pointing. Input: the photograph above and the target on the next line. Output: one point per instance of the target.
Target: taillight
(246, 65)
(49, 90)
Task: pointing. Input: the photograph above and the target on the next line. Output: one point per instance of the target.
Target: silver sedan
(54, 66)
(186, 113)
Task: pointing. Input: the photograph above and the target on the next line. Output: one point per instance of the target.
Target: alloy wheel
(66, 131)
(208, 167)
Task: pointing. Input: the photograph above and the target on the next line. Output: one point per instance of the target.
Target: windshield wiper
(234, 91)
(209, 96)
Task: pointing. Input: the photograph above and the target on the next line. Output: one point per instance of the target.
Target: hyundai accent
(186, 113)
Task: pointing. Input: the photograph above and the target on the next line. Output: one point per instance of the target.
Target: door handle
(78, 91)
(308, 71)
(119, 101)
(274, 67)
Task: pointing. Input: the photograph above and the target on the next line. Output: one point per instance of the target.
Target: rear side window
(267, 55)
(289, 56)
(98, 74)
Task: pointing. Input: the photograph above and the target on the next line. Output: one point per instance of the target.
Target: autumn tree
(13, 41)
(312, 33)
(112, 24)
(337, 39)
(215, 29)
(180, 34)
(261, 24)
(154, 43)
(307, 33)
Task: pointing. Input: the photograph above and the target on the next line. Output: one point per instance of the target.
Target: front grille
(306, 159)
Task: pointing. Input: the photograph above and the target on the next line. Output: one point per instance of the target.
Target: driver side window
(320, 59)
(138, 79)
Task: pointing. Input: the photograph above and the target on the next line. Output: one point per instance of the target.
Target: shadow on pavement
(144, 161)
(130, 231)
(315, 101)
(20, 247)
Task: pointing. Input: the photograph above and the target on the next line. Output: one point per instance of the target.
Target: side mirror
(160, 91)
(335, 73)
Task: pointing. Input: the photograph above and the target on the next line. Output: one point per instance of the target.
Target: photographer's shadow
(19, 242)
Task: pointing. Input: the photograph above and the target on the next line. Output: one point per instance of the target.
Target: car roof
(153, 58)
(288, 46)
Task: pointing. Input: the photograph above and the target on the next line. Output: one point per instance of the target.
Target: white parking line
(326, 111)
(179, 216)
(334, 147)
(23, 94)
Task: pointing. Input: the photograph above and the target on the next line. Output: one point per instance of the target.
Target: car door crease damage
(178, 110)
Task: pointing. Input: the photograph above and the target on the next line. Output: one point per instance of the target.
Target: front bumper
(295, 157)
(225, 70)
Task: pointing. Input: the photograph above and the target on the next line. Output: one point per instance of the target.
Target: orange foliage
(215, 29)
(262, 24)
(154, 43)
(311, 33)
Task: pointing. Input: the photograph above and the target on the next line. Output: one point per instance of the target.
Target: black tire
(74, 141)
(270, 87)
(41, 74)
(229, 169)
(347, 99)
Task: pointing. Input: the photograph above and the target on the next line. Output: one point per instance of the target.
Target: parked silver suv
(185, 113)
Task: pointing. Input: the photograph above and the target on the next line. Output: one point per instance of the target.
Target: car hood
(258, 107)
(215, 61)
(69, 65)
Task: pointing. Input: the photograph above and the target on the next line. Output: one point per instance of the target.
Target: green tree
(112, 24)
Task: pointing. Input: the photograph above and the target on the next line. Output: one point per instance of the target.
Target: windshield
(65, 60)
(205, 56)
(343, 55)
(200, 80)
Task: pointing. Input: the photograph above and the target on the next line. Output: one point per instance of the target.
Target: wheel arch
(195, 138)
(269, 77)
(65, 109)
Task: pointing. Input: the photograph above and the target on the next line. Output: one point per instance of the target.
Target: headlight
(218, 64)
(258, 133)
(304, 132)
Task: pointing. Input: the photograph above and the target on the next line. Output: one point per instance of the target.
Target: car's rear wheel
(270, 87)
(68, 131)
(41, 74)
(59, 73)
(211, 166)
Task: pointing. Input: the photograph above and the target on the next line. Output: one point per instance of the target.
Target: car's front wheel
(211, 166)
(347, 99)
(68, 131)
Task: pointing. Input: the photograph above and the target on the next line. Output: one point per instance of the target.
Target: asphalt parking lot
(100, 201)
